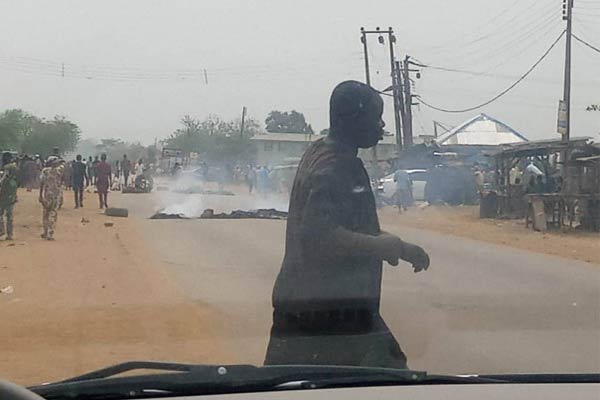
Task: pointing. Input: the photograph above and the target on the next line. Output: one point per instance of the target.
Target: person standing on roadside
(80, 178)
(50, 195)
(103, 180)
(8, 194)
(126, 168)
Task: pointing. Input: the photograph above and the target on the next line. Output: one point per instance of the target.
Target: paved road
(480, 307)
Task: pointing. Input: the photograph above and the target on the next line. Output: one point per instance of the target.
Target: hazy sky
(132, 69)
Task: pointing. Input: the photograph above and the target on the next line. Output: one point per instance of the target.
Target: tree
(593, 107)
(287, 122)
(44, 136)
(14, 126)
(215, 140)
(27, 133)
(115, 149)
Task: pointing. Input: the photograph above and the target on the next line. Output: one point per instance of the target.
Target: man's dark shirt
(331, 190)
(78, 173)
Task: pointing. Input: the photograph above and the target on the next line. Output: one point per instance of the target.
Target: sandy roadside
(464, 221)
(94, 297)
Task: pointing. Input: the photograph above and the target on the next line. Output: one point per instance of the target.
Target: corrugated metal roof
(481, 130)
(286, 137)
(301, 137)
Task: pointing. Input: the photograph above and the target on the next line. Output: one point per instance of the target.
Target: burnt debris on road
(209, 213)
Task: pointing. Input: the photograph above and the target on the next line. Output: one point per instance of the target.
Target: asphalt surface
(480, 308)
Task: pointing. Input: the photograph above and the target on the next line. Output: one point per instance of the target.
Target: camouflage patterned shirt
(52, 181)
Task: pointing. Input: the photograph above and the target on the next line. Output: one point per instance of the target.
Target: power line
(505, 91)
(501, 31)
(586, 43)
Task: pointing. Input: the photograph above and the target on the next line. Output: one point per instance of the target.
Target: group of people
(51, 178)
(257, 178)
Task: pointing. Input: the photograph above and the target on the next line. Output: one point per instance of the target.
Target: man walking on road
(126, 168)
(50, 195)
(80, 178)
(103, 180)
(8, 194)
(327, 294)
(403, 194)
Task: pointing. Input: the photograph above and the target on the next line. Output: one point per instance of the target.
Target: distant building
(281, 148)
(481, 130)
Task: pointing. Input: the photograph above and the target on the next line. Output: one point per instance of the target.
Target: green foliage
(215, 140)
(287, 122)
(593, 107)
(116, 148)
(29, 134)
(14, 126)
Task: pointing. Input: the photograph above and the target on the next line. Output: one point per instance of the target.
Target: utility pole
(395, 81)
(408, 134)
(399, 100)
(395, 90)
(243, 121)
(568, 16)
(363, 39)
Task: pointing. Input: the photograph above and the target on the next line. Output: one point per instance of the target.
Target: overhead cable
(505, 91)
(585, 43)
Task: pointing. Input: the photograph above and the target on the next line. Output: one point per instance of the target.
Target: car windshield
(393, 184)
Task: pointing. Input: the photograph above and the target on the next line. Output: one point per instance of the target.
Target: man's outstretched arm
(321, 227)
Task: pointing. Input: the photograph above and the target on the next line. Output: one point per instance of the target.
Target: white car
(387, 186)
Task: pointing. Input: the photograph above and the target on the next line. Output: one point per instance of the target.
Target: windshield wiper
(193, 379)
(189, 379)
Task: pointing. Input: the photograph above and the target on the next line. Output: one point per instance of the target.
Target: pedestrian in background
(139, 168)
(8, 194)
(79, 179)
(403, 194)
(103, 180)
(50, 195)
(250, 178)
(126, 167)
(95, 170)
(31, 172)
(88, 164)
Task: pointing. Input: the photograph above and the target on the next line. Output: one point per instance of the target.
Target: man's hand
(391, 248)
(416, 256)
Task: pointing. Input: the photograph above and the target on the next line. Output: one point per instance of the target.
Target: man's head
(96, 158)
(103, 157)
(124, 156)
(355, 111)
(90, 158)
(78, 158)
(52, 161)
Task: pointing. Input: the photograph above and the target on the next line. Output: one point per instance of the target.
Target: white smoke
(184, 197)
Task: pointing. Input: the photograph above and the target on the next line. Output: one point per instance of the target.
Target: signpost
(562, 125)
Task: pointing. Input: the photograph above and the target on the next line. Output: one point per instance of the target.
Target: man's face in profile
(369, 129)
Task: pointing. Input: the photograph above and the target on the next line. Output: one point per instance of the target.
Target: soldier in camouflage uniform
(50, 195)
(8, 194)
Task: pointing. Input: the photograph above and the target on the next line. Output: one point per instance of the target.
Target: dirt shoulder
(93, 297)
(464, 221)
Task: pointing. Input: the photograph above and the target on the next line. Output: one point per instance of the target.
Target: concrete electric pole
(568, 16)
(395, 84)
